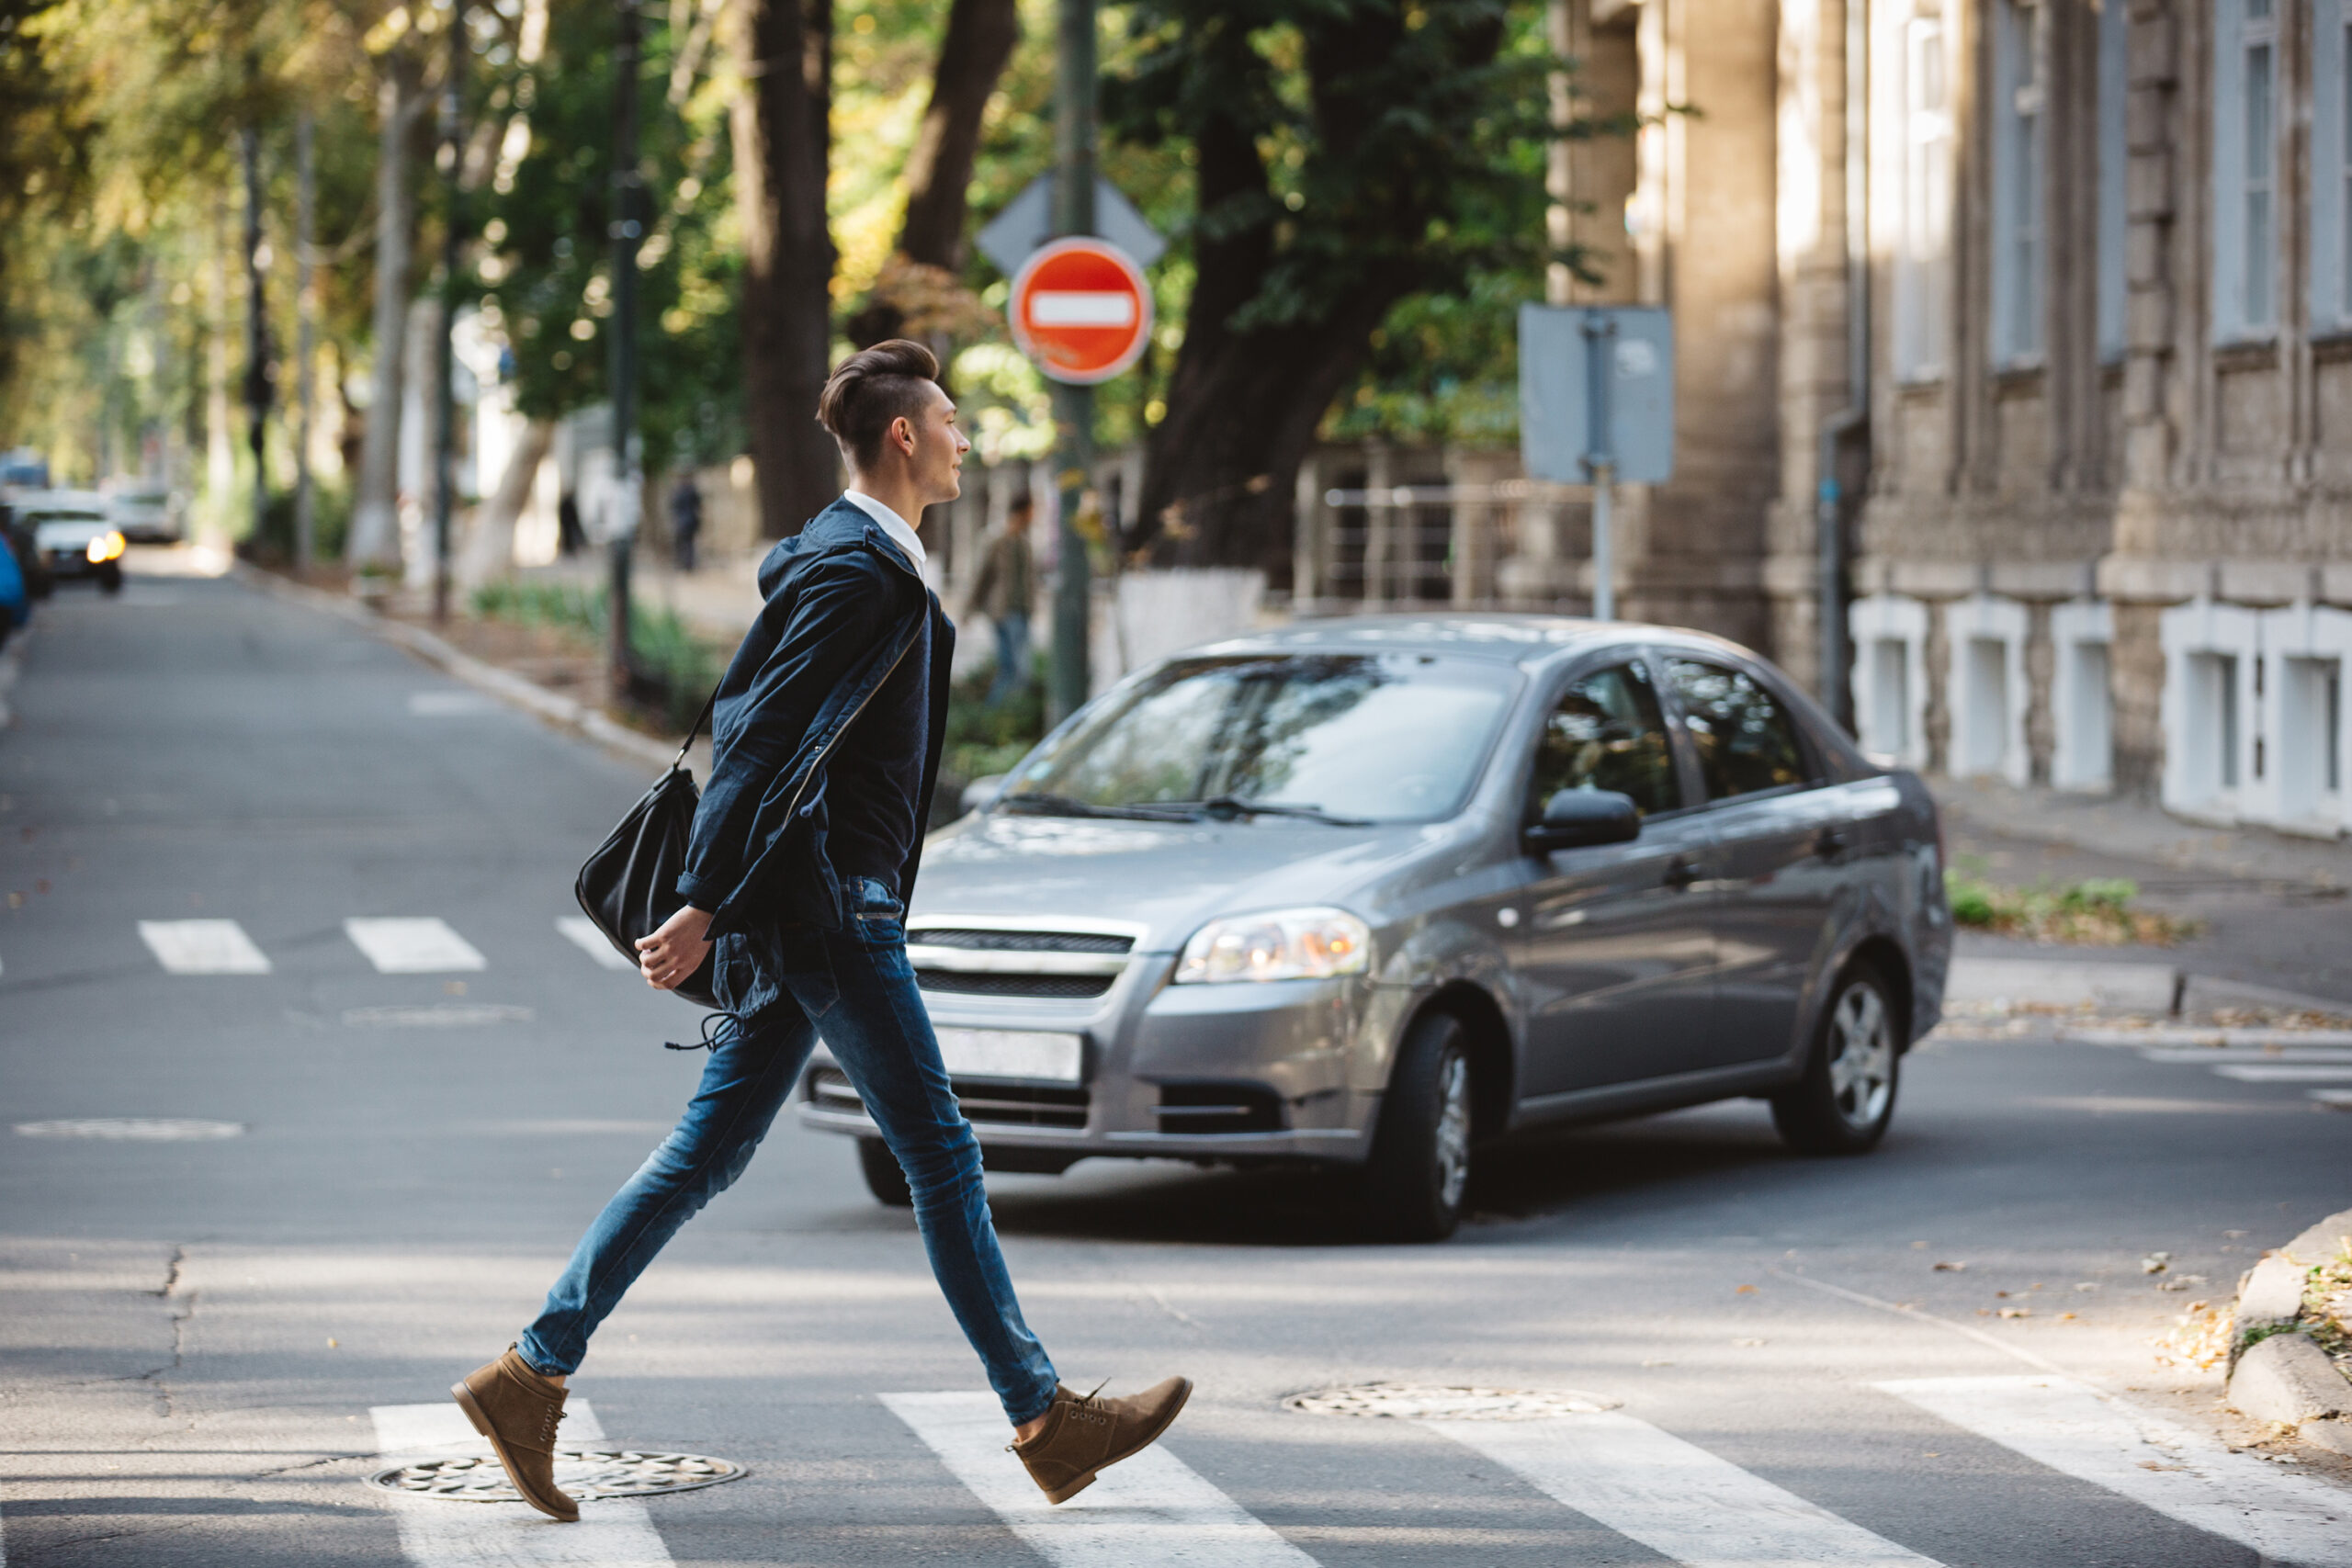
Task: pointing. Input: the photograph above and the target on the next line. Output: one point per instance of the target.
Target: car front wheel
(884, 1178)
(1419, 1168)
(1846, 1098)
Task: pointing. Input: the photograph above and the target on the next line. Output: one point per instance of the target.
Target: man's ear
(899, 424)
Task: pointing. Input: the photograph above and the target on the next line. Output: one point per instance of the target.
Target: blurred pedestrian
(1003, 591)
(569, 537)
(685, 520)
(828, 731)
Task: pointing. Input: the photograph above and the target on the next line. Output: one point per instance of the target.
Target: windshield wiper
(1228, 807)
(1064, 805)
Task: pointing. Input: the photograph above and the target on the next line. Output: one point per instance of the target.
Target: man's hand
(671, 954)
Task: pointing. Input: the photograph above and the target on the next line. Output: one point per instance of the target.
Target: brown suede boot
(1084, 1434)
(517, 1409)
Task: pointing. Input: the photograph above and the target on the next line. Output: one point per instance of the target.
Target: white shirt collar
(901, 534)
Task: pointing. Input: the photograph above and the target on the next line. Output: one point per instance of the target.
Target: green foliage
(985, 739)
(666, 647)
(2097, 911)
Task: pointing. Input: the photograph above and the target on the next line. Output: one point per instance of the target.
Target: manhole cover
(585, 1474)
(1433, 1401)
(134, 1129)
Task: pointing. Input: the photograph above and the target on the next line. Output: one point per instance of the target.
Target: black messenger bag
(628, 888)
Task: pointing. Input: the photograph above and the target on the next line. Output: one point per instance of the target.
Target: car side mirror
(1575, 818)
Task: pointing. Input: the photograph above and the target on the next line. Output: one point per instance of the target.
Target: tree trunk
(375, 539)
(784, 51)
(980, 37)
(489, 543)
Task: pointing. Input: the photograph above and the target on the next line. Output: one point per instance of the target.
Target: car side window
(1608, 732)
(1745, 737)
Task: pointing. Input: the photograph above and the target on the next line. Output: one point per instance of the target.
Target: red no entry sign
(1082, 310)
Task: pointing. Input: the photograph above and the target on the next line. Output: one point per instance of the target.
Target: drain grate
(585, 1474)
(131, 1129)
(1436, 1402)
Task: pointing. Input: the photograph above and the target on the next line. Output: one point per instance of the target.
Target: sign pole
(1073, 403)
(621, 341)
(1600, 341)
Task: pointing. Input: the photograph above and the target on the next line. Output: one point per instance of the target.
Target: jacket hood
(843, 526)
(1170, 876)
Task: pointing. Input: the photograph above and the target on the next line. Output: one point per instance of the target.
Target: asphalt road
(209, 1343)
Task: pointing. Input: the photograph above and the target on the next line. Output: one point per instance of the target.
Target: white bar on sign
(1152, 1511)
(1011, 1054)
(616, 1533)
(203, 947)
(583, 934)
(1674, 1497)
(2264, 1073)
(406, 946)
(2153, 1461)
(1091, 308)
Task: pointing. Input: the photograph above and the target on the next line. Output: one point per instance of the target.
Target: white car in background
(145, 513)
(73, 533)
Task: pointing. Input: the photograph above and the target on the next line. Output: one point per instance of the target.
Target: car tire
(1420, 1170)
(883, 1177)
(110, 577)
(1846, 1098)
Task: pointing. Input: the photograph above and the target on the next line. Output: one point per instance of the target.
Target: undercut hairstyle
(869, 390)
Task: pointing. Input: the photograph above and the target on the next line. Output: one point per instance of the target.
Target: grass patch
(2096, 912)
(682, 665)
(984, 739)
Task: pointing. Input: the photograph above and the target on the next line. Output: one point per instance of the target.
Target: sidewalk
(2131, 830)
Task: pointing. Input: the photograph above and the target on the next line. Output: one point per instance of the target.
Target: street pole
(1599, 354)
(306, 207)
(627, 230)
(258, 387)
(444, 367)
(1073, 405)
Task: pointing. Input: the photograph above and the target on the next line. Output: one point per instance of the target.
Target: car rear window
(1746, 738)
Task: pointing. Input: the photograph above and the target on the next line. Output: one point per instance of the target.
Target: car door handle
(1681, 873)
(1830, 841)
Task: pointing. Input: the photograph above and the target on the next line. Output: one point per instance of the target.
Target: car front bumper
(1239, 1071)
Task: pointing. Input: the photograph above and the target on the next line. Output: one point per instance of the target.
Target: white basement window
(2213, 664)
(2081, 696)
(1889, 636)
(1985, 687)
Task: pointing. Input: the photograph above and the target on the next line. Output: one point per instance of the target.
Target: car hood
(1168, 877)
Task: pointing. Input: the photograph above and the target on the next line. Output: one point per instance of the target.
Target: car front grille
(971, 957)
(1000, 1104)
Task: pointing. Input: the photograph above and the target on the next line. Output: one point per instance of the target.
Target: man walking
(826, 740)
(685, 520)
(1002, 591)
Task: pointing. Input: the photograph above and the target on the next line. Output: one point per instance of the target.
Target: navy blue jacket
(843, 606)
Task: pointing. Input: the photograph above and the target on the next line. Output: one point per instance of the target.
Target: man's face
(939, 448)
(1018, 519)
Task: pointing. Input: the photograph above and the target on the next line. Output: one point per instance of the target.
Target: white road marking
(582, 934)
(404, 946)
(2340, 1098)
(615, 1533)
(2287, 1074)
(2192, 1056)
(1674, 1497)
(449, 705)
(2150, 1459)
(1151, 1511)
(203, 947)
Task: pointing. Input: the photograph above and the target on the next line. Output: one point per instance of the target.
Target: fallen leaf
(2017, 1312)
(2066, 1317)
(2087, 1285)
(1745, 1291)
(1950, 1269)
(2155, 1263)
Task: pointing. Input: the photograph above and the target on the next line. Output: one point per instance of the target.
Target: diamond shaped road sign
(1028, 222)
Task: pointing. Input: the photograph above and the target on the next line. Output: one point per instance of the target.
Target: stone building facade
(2059, 293)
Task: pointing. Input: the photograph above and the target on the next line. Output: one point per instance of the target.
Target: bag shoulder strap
(710, 702)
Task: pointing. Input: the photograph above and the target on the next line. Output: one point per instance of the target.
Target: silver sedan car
(1379, 892)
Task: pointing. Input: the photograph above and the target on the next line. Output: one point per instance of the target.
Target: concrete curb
(565, 712)
(2285, 1378)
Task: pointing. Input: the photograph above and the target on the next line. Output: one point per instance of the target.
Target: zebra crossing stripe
(1674, 1497)
(412, 946)
(2153, 1461)
(203, 947)
(1145, 1512)
(581, 933)
(2265, 1073)
(613, 1533)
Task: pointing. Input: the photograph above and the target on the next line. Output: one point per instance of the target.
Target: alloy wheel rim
(1862, 1056)
(1453, 1129)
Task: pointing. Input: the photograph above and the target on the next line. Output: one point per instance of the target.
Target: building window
(1922, 262)
(2018, 142)
(1889, 636)
(1984, 686)
(2245, 169)
(2211, 709)
(2331, 166)
(2082, 634)
(2114, 84)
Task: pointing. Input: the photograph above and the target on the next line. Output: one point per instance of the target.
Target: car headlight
(1282, 944)
(107, 546)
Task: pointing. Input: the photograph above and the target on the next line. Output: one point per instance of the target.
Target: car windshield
(1373, 737)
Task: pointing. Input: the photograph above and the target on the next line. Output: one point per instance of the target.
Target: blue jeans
(1012, 656)
(856, 986)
